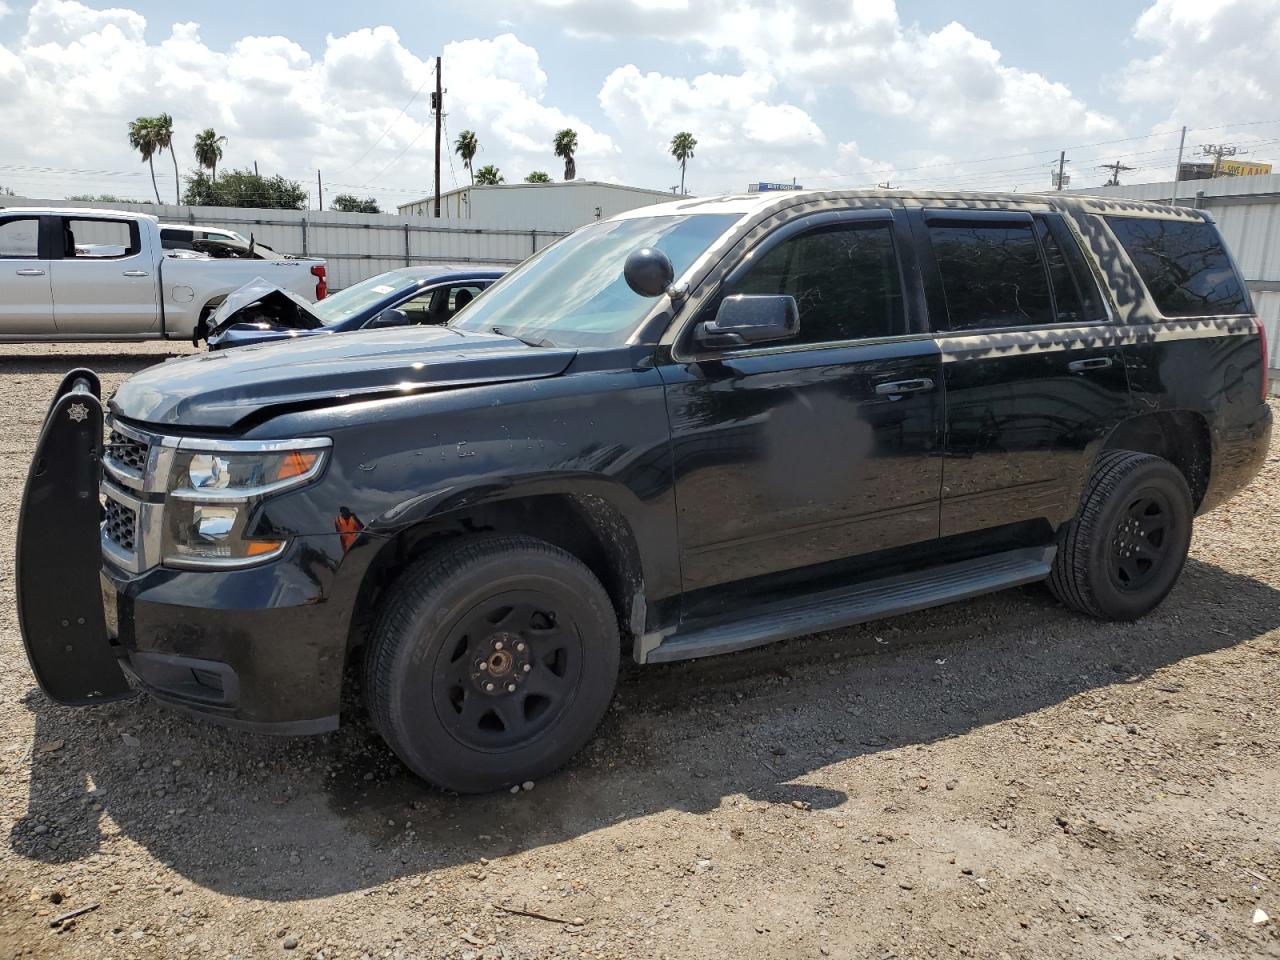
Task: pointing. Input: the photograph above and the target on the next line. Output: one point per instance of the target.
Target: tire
(539, 622)
(1122, 553)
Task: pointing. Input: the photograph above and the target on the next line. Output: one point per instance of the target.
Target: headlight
(214, 488)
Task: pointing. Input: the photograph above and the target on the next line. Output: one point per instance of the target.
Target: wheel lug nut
(488, 686)
(498, 645)
(527, 668)
(520, 647)
(483, 665)
(511, 688)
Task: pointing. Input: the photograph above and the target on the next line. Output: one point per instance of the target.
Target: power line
(403, 110)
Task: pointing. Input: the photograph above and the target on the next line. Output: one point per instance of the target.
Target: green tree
(566, 144)
(467, 147)
(682, 145)
(99, 198)
(164, 141)
(208, 148)
(144, 137)
(488, 175)
(244, 188)
(538, 176)
(348, 203)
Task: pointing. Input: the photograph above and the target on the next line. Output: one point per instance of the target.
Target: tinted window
(844, 278)
(1183, 264)
(1075, 294)
(100, 239)
(992, 275)
(175, 239)
(20, 239)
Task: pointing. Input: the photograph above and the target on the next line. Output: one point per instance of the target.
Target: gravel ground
(996, 779)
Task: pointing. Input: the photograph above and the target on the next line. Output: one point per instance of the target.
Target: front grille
(120, 524)
(127, 452)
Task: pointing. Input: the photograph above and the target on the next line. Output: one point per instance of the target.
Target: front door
(1034, 376)
(26, 297)
(817, 448)
(104, 284)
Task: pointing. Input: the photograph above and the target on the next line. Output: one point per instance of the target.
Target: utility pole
(1219, 151)
(1116, 169)
(319, 192)
(255, 168)
(1177, 171)
(1060, 178)
(437, 104)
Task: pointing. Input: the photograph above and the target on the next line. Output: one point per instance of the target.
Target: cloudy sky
(977, 94)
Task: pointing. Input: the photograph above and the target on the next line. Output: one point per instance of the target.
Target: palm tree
(566, 143)
(489, 175)
(164, 141)
(142, 137)
(467, 147)
(682, 145)
(208, 148)
(538, 176)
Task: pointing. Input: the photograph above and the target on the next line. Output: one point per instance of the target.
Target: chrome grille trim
(145, 552)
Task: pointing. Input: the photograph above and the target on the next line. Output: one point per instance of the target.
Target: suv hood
(219, 390)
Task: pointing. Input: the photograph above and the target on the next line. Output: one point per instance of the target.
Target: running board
(870, 600)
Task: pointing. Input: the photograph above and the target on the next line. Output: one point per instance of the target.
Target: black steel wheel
(492, 663)
(1124, 550)
(508, 670)
(1142, 541)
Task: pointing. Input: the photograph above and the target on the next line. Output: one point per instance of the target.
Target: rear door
(26, 296)
(104, 281)
(1034, 376)
(818, 448)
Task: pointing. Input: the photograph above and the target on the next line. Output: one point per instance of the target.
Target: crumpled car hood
(219, 390)
(286, 309)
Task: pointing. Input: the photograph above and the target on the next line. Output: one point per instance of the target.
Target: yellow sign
(1242, 168)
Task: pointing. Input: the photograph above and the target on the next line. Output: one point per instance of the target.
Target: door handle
(30, 272)
(135, 273)
(1093, 363)
(899, 387)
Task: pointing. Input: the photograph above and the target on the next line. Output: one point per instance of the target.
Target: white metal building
(554, 206)
(1247, 211)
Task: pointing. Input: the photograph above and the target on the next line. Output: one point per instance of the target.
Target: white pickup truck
(80, 274)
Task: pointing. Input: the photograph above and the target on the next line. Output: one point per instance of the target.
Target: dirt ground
(994, 779)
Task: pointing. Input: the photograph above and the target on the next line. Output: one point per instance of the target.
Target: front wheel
(492, 663)
(1124, 550)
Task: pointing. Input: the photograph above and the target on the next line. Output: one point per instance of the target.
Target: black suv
(684, 431)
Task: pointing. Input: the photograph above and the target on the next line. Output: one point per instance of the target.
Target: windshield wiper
(527, 341)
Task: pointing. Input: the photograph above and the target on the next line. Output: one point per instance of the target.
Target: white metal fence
(355, 245)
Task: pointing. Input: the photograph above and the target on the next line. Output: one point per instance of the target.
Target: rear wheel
(1124, 550)
(492, 663)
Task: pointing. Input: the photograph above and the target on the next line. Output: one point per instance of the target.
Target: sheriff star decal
(78, 412)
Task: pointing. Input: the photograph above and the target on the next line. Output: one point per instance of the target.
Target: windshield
(351, 300)
(573, 294)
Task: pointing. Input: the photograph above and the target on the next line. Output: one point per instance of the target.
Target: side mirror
(744, 319)
(391, 317)
(648, 272)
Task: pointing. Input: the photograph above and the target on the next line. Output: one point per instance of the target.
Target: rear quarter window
(1184, 265)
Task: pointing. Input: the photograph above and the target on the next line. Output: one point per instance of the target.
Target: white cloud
(955, 81)
(741, 135)
(1213, 62)
(69, 84)
(5, 9)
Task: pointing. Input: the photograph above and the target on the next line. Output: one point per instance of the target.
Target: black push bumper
(261, 648)
(60, 608)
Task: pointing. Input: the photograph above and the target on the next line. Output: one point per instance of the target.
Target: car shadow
(294, 819)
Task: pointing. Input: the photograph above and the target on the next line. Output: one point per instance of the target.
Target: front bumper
(260, 647)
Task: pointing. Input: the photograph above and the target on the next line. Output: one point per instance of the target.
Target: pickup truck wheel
(1124, 550)
(492, 663)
